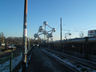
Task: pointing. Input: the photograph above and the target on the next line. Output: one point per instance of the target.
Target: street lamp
(66, 34)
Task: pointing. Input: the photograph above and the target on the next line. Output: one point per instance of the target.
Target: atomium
(43, 31)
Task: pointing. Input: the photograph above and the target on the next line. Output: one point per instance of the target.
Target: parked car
(11, 46)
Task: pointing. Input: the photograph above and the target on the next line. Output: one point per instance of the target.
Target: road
(42, 63)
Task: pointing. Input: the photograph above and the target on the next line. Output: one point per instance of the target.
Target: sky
(78, 16)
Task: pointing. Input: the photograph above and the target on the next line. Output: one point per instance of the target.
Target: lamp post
(66, 35)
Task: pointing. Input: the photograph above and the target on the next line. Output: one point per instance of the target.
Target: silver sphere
(36, 35)
(45, 23)
(40, 29)
(49, 35)
(53, 29)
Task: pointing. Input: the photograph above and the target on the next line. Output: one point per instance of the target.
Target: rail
(81, 64)
(13, 62)
(9, 63)
(69, 66)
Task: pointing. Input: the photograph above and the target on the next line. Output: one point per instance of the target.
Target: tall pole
(61, 29)
(61, 32)
(25, 37)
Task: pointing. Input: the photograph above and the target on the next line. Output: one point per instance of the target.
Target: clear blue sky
(78, 15)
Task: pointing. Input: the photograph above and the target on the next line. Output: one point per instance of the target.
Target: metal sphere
(69, 33)
(53, 29)
(36, 35)
(45, 23)
(49, 35)
(40, 29)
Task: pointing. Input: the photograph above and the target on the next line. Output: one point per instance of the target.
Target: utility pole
(25, 38)
(61, 29)
(61, 33)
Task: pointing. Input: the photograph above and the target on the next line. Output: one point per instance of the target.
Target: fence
(8, 63)
(13, 61)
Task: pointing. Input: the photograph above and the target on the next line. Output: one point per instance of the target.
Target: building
(92, 33)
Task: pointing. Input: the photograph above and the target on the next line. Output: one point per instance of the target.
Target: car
(11, 46)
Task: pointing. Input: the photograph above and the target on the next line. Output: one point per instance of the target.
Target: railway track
(68, 67)
(73, 64)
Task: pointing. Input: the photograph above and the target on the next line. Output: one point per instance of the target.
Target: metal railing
(8, 63)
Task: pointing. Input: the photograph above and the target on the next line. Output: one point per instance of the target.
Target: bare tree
(81, 34)
(2, 38)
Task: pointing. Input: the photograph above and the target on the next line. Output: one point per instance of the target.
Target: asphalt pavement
(42, 63)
